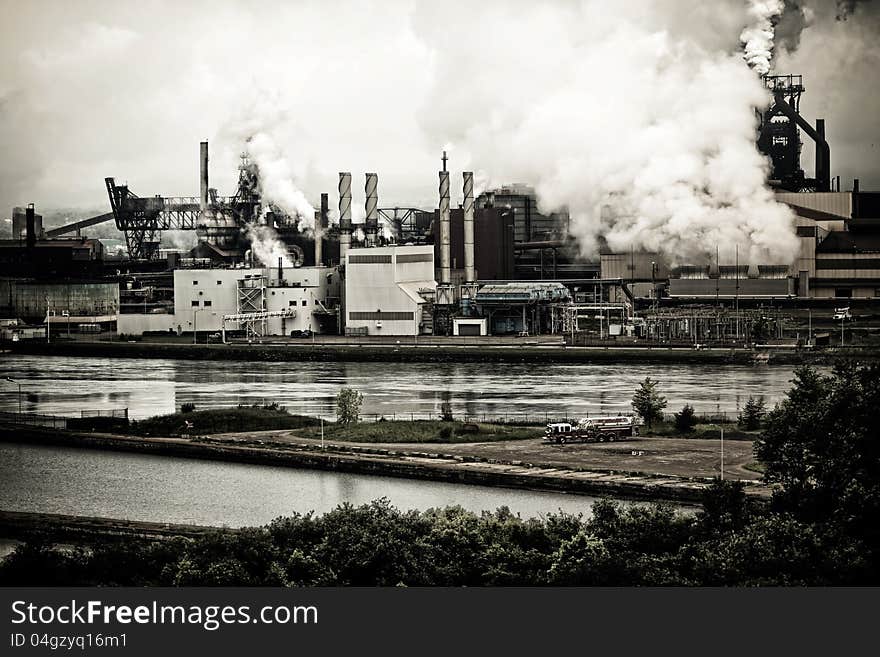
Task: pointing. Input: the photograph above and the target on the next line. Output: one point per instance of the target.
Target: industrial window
(207, 303)
(415, 257)
(195, 282)
(305, 303)
(219, 282)
(201, 293)
(387, 316)
(195, 303)
(292, 302)
(369, 259)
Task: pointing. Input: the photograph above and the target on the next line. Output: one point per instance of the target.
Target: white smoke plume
(646, 136)
(276, 179)
(757, 38)
(266, 246)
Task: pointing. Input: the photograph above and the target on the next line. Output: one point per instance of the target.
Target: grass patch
(422, 431)
(756, 466)
(701, 431)
(222, 420)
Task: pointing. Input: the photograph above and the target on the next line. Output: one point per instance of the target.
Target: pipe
(203, 175)
(371, 226)
(344, 215)
(30, 227)
(855, 186)
(280, 269)
(445, 277)
(469, 272)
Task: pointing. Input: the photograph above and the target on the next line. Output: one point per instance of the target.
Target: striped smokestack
(344, 215)
(371, 227)
(320, 226)
(445, 276)
(469, 273)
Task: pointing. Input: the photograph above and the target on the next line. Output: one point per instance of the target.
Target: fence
(91, 420)
(715, 417)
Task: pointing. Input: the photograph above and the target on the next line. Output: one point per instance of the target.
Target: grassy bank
(221, 420)
(710, 431)
(421, 431)
(416, 354)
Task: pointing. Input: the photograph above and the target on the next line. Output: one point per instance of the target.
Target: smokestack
(344, 215)
(320, 226)
(31, 228)
(469, 274)
(445, 277)
(856, 186)
(280, 269)
(371, 226)
(823, 159)
(203, 175)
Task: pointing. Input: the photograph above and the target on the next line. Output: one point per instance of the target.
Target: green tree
(752, 415)
(348, 406)
(685, 419)
(648, 403)
(821, 446)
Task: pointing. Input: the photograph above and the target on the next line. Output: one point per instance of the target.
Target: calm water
(165, 489)
(66, 385)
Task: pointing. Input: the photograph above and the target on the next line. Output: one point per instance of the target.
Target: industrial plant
(494, 266)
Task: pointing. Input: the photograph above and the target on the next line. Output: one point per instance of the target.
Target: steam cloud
(266, 246)
(655, 152)
(757, 38)
(276, 179)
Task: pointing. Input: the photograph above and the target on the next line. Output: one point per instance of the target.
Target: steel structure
(780, 140)
(406, 222)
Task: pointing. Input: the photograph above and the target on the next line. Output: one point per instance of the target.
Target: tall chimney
(344, 215)
(823, 159)
(319, 238)
(203, 175)
(30, 226)
(280, 269)
(371, 226)
(445, 277)
(469, 274)
(320, 226)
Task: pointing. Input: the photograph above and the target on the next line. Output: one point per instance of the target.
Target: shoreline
(523, 352)
(424, 464)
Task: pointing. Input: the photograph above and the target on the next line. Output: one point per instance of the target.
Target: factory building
(279, 301)
(67, 303)
(528, 223)
(389, 290)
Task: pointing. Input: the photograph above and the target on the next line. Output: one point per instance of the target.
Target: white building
(386, 289)
(203, 296)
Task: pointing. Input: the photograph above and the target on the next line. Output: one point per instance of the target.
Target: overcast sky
(90, 89)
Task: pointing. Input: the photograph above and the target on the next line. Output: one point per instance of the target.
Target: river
(66, 385)
(85, 482)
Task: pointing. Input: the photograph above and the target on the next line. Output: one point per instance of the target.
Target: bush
(685, 419)
(188, 407)
(752, 416)
(446, 411)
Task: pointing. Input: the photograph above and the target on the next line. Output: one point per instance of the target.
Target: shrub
(752, 416)
(685, 419)
(188, 407)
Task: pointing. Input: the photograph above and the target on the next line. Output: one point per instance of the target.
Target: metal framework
(252, 305)
(404, 221)
(250, 320)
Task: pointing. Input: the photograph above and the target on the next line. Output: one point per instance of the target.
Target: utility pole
(736, 290)
(810, 328)
(47, 319)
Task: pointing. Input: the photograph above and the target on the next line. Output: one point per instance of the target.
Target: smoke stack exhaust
(30, 227)
(469, 273)
(203, 175)
(344, 215)
(371, 227)
(445, 276)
